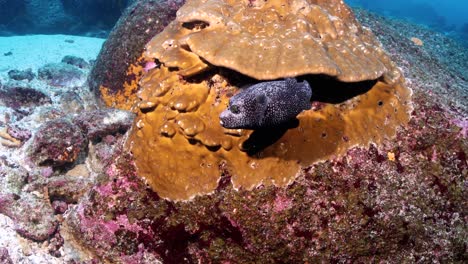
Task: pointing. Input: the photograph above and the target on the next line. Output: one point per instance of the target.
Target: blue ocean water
(97, 17)
(447, 16)
(77, 17)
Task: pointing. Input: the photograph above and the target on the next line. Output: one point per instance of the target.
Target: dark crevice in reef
(178, 241)
(262, 138)
(326, 89)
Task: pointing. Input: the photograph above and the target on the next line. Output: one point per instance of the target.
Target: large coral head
(213, 48)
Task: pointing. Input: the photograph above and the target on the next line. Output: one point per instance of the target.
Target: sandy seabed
(33, 51)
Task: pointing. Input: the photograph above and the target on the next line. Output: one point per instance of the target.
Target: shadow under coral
(324, 90)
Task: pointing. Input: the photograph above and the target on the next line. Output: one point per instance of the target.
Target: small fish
(267, 104)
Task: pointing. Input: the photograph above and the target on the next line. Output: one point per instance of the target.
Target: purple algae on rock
(22, 97)
(56, 143)
(33, 216)
(100, 123)
(5, 256)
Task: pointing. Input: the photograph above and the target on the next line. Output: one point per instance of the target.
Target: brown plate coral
(213, 48)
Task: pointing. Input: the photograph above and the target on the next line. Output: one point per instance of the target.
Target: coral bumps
(213, 48)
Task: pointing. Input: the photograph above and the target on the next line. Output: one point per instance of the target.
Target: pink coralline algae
(18, 132)
(115, 229)
(47, 171)
(463, 125)
(4, 256)
(281, 203)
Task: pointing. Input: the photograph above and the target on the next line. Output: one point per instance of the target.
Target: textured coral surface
(273, 39)
(177, 136)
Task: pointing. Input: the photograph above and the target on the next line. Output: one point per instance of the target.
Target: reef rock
(75, 61)
(22, 97)
(71, 102)
(401, 199)
(100, 123)
(56, 142)
(111, 77)
(4, 256)
(21, 75)
(33, 216)
(62, 75)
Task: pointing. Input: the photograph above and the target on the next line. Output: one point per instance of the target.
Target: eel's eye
(234, 109)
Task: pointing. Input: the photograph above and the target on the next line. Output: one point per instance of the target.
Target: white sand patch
(21, 250)
(36, 50)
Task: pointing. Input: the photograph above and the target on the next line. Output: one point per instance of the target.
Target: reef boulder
(33, 215)
(111, 76)
(100, 123)
(22, 97)
(56, 143)
(62, 75)
(21, 75)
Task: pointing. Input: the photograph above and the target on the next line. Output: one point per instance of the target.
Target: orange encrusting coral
(179, 151)
(125, 98)
(177, 141)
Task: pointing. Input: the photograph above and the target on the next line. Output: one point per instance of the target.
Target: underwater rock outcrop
(21, 75)
(56, 143)
(111, 77)
(213, 48)
(22, 97)
(62, 75)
